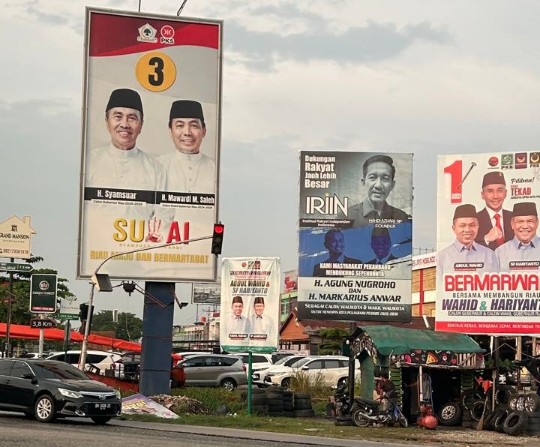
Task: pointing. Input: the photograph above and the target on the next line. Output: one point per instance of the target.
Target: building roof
(294, 329)
(391, 340)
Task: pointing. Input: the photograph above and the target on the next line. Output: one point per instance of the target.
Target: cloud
(370, 43)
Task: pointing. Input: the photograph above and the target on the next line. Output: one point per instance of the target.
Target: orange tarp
(26, 332)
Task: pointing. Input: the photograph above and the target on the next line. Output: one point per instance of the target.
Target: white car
(259, 374)
(96, 361)
(258, 360)
(333, 370)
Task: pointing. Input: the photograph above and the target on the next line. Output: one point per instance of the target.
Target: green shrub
(217, 400)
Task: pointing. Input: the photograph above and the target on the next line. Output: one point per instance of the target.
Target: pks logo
(534, 159)
(521, 160)
(167, 34)
(147, 33)
(507, 161)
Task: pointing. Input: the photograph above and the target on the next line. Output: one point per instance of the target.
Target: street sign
(15, 267)
(65, 316)
(42, 323)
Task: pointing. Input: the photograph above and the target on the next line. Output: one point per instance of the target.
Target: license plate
(102, 406)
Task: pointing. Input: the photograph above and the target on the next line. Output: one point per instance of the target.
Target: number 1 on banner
(456, 171)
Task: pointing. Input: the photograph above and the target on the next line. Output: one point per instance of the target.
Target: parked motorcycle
(342, 401)
(373, 412)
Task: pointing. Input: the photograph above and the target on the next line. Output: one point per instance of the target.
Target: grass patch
(217, 400)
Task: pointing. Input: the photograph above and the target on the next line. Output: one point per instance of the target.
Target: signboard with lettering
(43, 287)
(15, 238)
(488, 246)
(355, 236)
(150, 187)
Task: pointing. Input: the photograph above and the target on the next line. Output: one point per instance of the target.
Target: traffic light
(83, 312)
(217, 238)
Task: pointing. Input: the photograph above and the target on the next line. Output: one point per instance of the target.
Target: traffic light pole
(84, 347)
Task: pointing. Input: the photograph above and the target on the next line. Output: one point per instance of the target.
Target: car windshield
(58, 371)
(282, 360)
(300, 362)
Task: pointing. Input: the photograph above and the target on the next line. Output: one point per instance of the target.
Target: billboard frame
(199, 222)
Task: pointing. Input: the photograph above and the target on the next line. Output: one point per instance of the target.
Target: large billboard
(150, 146)
(355, 236)
(249, 316)
(488, 251)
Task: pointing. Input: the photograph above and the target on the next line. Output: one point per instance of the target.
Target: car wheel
(450, 414)
(228, 384)
(342, 382)
(286, 383)
(101, 420)
(44, 408)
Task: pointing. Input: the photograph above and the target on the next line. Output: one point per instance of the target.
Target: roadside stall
(427, 367)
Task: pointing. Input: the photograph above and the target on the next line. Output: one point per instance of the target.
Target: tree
(129, 327)
(332, 340)
(20, 304)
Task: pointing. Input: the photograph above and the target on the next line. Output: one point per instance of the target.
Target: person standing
(525, 246)
(465, 253)
(494, 223)
(188, 169)
(122, 164)
(131, 176)
(379, 181)
(238, 327)
(262, 326)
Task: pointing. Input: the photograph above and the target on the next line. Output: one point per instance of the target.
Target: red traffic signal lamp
(217, 238)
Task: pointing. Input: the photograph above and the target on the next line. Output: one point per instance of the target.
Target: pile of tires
(274, 400)
(472, 408)
(288, 403)
(532, 407)
(520, 414)
(259, 402)
(302, 405)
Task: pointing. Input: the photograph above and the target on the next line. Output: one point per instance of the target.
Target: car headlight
(118, 395)
(70, 393)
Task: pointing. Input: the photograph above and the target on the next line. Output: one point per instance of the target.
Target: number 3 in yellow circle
(155, 71)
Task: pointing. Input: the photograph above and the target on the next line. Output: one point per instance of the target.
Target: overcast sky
(423, 76)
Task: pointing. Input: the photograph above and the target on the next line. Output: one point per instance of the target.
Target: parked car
(127, 366)
(258, 360)
(32, 355)
(223, 370)
(332, 370)
(96, 361)
(258, 375)
(47, 389)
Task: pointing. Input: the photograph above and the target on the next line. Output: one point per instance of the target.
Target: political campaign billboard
(488, 250)
(355, 236)
(150, 146)
(249, 316)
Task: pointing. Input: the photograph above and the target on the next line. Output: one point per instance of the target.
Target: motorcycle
(365, 411)
(343, 404)
(373, 412)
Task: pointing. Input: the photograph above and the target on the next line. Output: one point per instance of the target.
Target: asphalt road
(16, 430)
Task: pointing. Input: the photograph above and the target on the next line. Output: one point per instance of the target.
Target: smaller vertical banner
(250, 304)
(43, 289)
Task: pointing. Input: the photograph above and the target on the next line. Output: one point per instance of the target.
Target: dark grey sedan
(47, 389)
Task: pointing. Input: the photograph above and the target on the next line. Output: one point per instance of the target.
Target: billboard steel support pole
(84, 347)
